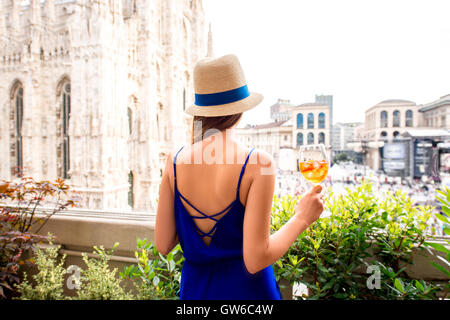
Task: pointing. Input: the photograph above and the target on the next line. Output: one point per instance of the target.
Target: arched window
(396, 118)
(299, 139)
(310, 121)
(131, 189)
(383, 119)
(310, 138)
(395, 134)
(383, 135)
(299, 121)
(321, 120)
(321, 137)
(65, 127)
(409, 118)
(16, 128)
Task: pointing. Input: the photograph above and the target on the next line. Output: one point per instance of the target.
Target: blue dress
(217, 271)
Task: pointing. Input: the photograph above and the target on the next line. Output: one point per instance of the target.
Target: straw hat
(221, 89)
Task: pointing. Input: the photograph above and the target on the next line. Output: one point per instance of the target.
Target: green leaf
(419, 286)
(439, 247)
(447, 231)
(441, 192)
(399, 285)
(327, 286)
(340, 295)
(322, 268)
(441, 268)
(442, 217)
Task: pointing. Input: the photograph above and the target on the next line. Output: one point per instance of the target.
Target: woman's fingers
(318, 188)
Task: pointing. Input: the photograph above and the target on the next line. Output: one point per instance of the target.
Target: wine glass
(313, 164)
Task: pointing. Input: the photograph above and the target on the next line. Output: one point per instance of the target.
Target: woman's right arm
(261, 249)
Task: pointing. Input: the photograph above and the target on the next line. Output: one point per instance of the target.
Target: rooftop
(426, 133)
(312, 104)
(444, 100)
(392, 102)
(396, 101)
(266, 125)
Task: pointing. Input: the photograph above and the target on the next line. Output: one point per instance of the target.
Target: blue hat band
(214, 99)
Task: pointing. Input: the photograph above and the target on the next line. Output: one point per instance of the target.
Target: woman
(216, 197)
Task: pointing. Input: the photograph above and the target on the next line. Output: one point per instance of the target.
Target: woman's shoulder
(261, 155)
(263, 160)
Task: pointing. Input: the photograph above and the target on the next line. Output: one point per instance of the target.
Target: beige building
(391, 120)
(93, 92)
(437, 113)
(386, 121)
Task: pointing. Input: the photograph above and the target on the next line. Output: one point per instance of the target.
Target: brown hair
(219, 123)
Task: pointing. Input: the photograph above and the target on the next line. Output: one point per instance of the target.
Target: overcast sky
(361, 52)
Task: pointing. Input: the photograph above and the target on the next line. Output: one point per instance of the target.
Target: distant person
(220, 211)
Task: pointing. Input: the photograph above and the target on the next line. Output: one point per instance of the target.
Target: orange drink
(314, 170)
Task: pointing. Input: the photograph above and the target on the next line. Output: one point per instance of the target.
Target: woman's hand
(310, 206)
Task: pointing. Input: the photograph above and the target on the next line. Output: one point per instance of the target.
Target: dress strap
(204, 215)
(175, 165)
(242, 173)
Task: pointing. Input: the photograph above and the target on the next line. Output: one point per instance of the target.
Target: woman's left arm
(165, 231)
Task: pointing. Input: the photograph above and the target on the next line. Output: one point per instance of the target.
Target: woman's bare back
(210, 184)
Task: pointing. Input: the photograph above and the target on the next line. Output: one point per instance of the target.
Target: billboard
(394, 150)
(395, 158)
(422, 158)
(393, 165)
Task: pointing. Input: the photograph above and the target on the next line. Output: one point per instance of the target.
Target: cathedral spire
(50, 10)
(210, 53)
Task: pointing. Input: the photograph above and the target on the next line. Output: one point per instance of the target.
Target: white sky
(360, 51)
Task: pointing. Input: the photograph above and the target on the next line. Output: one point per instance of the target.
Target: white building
(93, 92)
(342, 135)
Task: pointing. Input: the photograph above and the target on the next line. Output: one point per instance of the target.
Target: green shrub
(98, 282)
(444, 199)
(333, 254)
(49, 279)
(155, 276)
